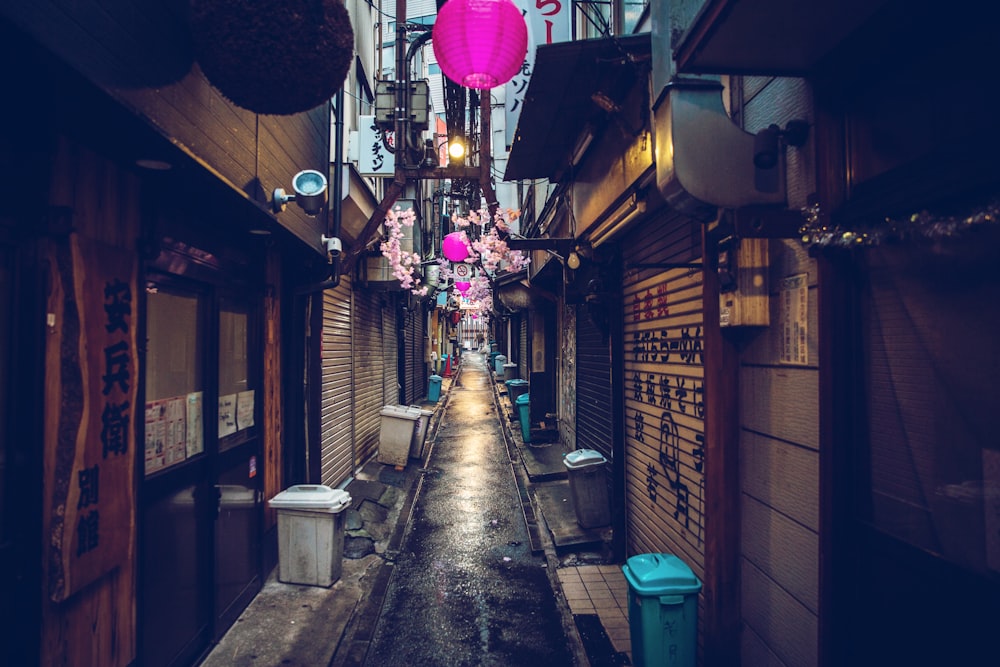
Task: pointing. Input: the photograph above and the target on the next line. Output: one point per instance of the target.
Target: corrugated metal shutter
(593, 386)
(369, 373)
(390, 352)
(408, 334)
(337, 399)
(523, 360)
(664, 391)
(416, 369)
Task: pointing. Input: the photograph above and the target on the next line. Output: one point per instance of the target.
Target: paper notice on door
(244, 409)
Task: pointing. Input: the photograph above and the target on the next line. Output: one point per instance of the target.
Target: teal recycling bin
(515, 389)
(493, 359)
(662, 610)
(498, 365)
(523, 404)
(434, 388)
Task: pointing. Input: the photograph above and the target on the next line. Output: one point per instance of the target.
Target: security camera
(333, 245)
(310, 193)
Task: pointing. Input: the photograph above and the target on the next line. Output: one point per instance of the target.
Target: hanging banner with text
(548, 23)
(374, 159)
(90, 383)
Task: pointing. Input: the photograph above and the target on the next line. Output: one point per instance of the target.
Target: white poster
(794, 317)
(227, 415)
(195, 441)
(374, 159)
(244, 409)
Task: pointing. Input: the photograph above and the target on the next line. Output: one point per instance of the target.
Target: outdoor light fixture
(767, 142)
(456, 149)
(310, 193)
(480, 43)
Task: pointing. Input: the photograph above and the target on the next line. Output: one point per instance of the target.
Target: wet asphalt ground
(465, 588)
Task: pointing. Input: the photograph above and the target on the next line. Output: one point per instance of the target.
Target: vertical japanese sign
(548, 22)
(794, 317)
(91, 378)
(374, 159)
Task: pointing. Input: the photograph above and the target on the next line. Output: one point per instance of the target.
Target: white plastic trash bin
(399, 423)
(420, 433)
(588, 487)
(310, 534)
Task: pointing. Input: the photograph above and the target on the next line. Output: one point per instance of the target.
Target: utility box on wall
(743, 269)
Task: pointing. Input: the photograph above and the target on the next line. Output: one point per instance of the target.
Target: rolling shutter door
(390, 352)
(337, 399)
(369, 372)
(664, 385)
(593, 387)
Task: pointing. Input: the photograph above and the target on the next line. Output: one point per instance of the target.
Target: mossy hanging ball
(273, 56)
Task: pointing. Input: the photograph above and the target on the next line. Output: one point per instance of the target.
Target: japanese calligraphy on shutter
(91, 379)
(665, 411)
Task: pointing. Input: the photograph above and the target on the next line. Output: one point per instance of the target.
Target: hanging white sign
(548, 23)
(374, 159)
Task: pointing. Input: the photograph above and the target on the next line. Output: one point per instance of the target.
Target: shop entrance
(201, 490)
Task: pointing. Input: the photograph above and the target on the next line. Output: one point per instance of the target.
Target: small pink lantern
(454, 248)
(462, 287)
(480, 43)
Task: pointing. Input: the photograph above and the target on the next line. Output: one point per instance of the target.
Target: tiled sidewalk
(601, 590)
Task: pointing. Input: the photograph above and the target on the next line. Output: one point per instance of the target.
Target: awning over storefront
(560, 100)
(358, 205)
(794, 38)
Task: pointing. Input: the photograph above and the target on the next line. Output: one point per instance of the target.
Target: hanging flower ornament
(489, 252)
(405, 265)
(816, 232)
(480, 43)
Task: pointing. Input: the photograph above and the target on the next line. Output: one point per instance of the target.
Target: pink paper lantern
(454, 248)
(480, 43)
(462, 287)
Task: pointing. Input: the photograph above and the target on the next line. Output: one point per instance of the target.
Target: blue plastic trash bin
(493, 360)
(523, 404)
(662, 610)
(498, 365)
(515, 389)
(434, 388)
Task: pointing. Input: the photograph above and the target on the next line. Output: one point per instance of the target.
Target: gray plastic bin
(395, 437)
(588, 487)
(499, 362)
(420, 432)
(310, 534)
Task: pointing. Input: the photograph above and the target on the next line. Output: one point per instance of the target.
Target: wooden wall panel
(272, 426)
(96, 624)
(782, 476)
(769, 611)
(785, 551)
(781, 402)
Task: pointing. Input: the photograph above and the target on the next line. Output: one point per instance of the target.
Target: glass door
(177, 499)
(237, 484)
(202, 493)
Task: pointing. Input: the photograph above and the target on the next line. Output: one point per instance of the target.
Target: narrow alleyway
(466, 589)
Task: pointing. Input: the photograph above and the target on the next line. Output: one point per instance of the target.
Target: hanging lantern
(454, 248)
(480, 43)
(462, 287)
